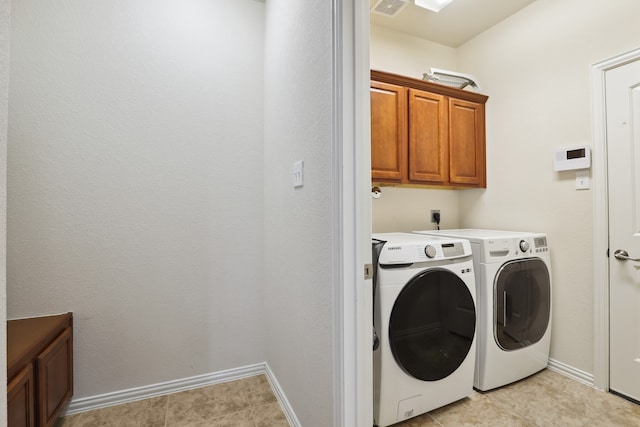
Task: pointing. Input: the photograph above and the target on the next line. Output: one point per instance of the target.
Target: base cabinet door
(20, 399)
(55, 378)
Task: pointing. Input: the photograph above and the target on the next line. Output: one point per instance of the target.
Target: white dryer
(513, 278)
(425, 317)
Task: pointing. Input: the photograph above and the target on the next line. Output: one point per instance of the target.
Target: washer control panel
(430, 251)
(445, 250)
(451, 250)
(393, 253)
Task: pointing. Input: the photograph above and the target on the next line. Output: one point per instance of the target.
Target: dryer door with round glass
(522, 302)
(432, 325)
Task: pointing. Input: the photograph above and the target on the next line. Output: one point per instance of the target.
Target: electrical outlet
(435, 214)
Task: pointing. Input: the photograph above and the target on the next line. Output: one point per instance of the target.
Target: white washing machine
(513, 278)
(425, 318)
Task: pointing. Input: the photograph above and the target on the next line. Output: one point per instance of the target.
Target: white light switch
(582, 180)
(298, 173)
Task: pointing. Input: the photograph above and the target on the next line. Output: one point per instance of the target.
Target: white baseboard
(571, 372)
(154, 390)
(282, 398)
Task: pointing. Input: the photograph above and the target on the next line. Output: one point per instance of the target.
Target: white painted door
(623, 149)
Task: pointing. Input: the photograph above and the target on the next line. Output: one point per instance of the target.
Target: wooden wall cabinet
(39, 369)
(424, 133)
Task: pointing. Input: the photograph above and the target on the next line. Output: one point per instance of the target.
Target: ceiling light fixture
(433, 5)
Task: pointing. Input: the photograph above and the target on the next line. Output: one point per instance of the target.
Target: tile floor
(248, 402)
(544, 399)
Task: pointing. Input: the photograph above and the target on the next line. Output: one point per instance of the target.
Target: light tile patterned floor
(247, 402)
(544, 399)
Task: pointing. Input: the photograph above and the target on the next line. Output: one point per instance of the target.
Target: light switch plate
(582, 180)
(298, 173)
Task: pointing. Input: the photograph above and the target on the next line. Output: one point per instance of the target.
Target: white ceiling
(457, 23)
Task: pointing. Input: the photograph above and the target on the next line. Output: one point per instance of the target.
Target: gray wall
(298, 126)
(135, 194)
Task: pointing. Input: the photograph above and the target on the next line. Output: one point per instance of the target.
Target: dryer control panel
(540, 244)
(496, 249)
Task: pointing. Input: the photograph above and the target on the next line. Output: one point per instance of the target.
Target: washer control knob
(429, 251)
(524, 245)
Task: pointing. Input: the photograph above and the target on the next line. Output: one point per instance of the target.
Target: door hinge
(368, 271)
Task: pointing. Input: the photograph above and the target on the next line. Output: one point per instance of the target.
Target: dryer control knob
(524, 245)
(429, 251)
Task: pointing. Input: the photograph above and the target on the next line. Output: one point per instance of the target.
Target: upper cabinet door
(428, 134)
(466, 143)
(388, 132)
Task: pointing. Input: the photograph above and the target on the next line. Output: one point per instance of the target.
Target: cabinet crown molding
(396, 79)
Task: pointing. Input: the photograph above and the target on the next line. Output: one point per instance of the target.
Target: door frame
(351, 215)
(601, 216)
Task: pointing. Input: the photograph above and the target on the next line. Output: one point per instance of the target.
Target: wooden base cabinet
(424, 133)
(39, 369)
(20, 399)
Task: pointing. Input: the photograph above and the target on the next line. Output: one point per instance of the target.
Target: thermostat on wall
(571, 158)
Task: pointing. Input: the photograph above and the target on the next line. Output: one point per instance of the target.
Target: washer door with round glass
(523, 303)
(432, 325)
